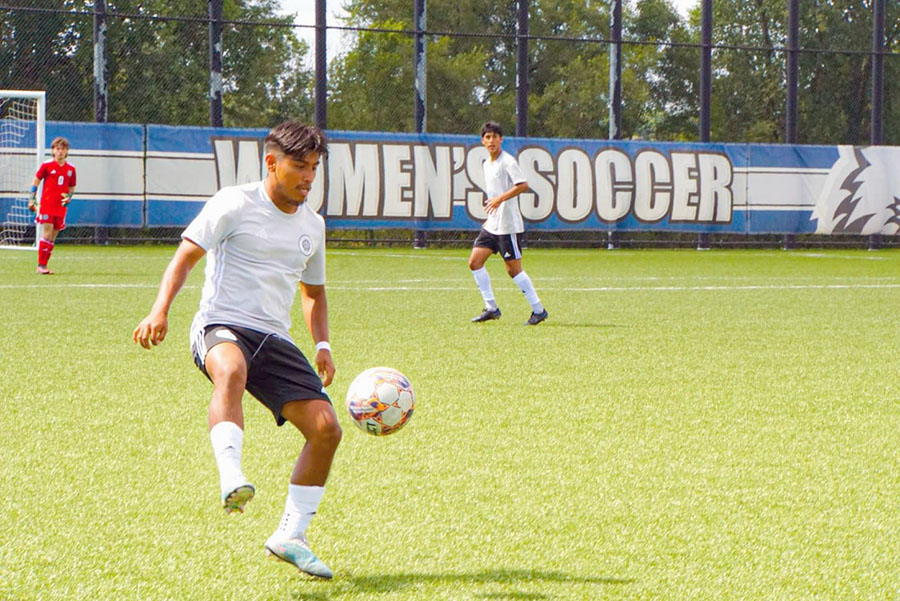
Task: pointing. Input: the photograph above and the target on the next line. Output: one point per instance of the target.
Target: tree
(158, 61)
(660, 87)
(472, 75)
(372, 83)
(39, 51)
(158, 66)
(834, 71)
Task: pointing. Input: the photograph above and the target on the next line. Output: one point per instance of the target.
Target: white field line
(425, 254)
(89, 286)
(843, 257)
(359, 287)
(738, 288)
(674, 278)
(432, 255)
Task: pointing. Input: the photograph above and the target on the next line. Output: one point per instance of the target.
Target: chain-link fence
(154, 67)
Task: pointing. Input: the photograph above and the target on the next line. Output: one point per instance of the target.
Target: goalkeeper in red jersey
(59, 185)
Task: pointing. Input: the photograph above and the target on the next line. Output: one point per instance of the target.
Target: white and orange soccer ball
(381, 400)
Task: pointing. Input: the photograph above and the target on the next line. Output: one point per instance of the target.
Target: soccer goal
(22, 143)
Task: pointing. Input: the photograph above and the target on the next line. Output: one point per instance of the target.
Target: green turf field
(686, 425)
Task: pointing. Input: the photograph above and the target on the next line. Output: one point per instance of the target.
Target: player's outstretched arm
(153, 328)
(315, 311)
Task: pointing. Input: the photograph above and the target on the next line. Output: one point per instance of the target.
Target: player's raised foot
(537, 318)
(297, 552)
(41, 270)
(487, 315)
(234, 501)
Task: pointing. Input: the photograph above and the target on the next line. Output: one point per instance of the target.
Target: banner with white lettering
(431, 181)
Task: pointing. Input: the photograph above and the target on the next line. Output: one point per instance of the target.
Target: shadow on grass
(388, 583)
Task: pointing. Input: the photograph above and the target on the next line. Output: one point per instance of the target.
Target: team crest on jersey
(306, 245)
(861, 194)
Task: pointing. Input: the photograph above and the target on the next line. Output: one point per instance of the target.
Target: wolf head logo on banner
(861, 194)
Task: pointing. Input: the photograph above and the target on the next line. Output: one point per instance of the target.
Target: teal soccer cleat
(297, 552)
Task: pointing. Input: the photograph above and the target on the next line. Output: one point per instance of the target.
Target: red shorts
(58, 221)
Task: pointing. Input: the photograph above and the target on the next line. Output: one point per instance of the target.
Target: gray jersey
(256, 257)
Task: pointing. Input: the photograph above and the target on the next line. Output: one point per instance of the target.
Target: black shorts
(277, 372)
(506, 245)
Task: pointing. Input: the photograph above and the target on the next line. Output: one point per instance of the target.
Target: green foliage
(472, 79)
(835, 87)
(158, 69)
(660, 78)
(716, 425)
(569, 79)
(43, 51)
(372, 84)
(266, 79)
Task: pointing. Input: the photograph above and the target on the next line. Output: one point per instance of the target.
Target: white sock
(299, 508)
(483, 280)
(227, 442)
(524, 283)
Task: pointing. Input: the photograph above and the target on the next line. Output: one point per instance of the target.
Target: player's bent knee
(228, 374)
(329, 434)
(476, 263)
(228, 368)
(325, 434)
(317, 421)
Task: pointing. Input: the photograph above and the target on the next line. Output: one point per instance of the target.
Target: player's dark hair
(492, 127)
(295, 139)
(60, 141)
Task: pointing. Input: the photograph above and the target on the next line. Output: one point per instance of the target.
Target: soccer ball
(380, 400)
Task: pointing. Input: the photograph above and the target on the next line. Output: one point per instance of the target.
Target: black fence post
(522, 69)
(215, 63)
(321, 67)
(101, 87)
(878, 34)
(615, 90)
(615, 71)
(876, 136)
(706, 23)
(419, 66)
(790, 110)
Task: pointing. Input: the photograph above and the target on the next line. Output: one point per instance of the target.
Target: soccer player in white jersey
(262, 240)
(501, 233)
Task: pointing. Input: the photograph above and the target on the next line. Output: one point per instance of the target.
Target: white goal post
(22, 145)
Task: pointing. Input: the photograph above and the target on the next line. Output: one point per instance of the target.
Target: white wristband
(323, 344)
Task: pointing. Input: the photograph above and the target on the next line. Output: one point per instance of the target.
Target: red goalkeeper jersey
(57, 181)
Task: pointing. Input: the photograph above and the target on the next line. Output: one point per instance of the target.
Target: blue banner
(154, 175)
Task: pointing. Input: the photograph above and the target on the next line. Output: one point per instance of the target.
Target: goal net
(22, 143)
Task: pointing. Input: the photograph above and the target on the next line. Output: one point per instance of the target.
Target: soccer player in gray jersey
(261, 240)
(501, 233)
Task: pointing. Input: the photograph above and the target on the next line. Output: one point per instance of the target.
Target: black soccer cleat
(487, 315)
(537, 318)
